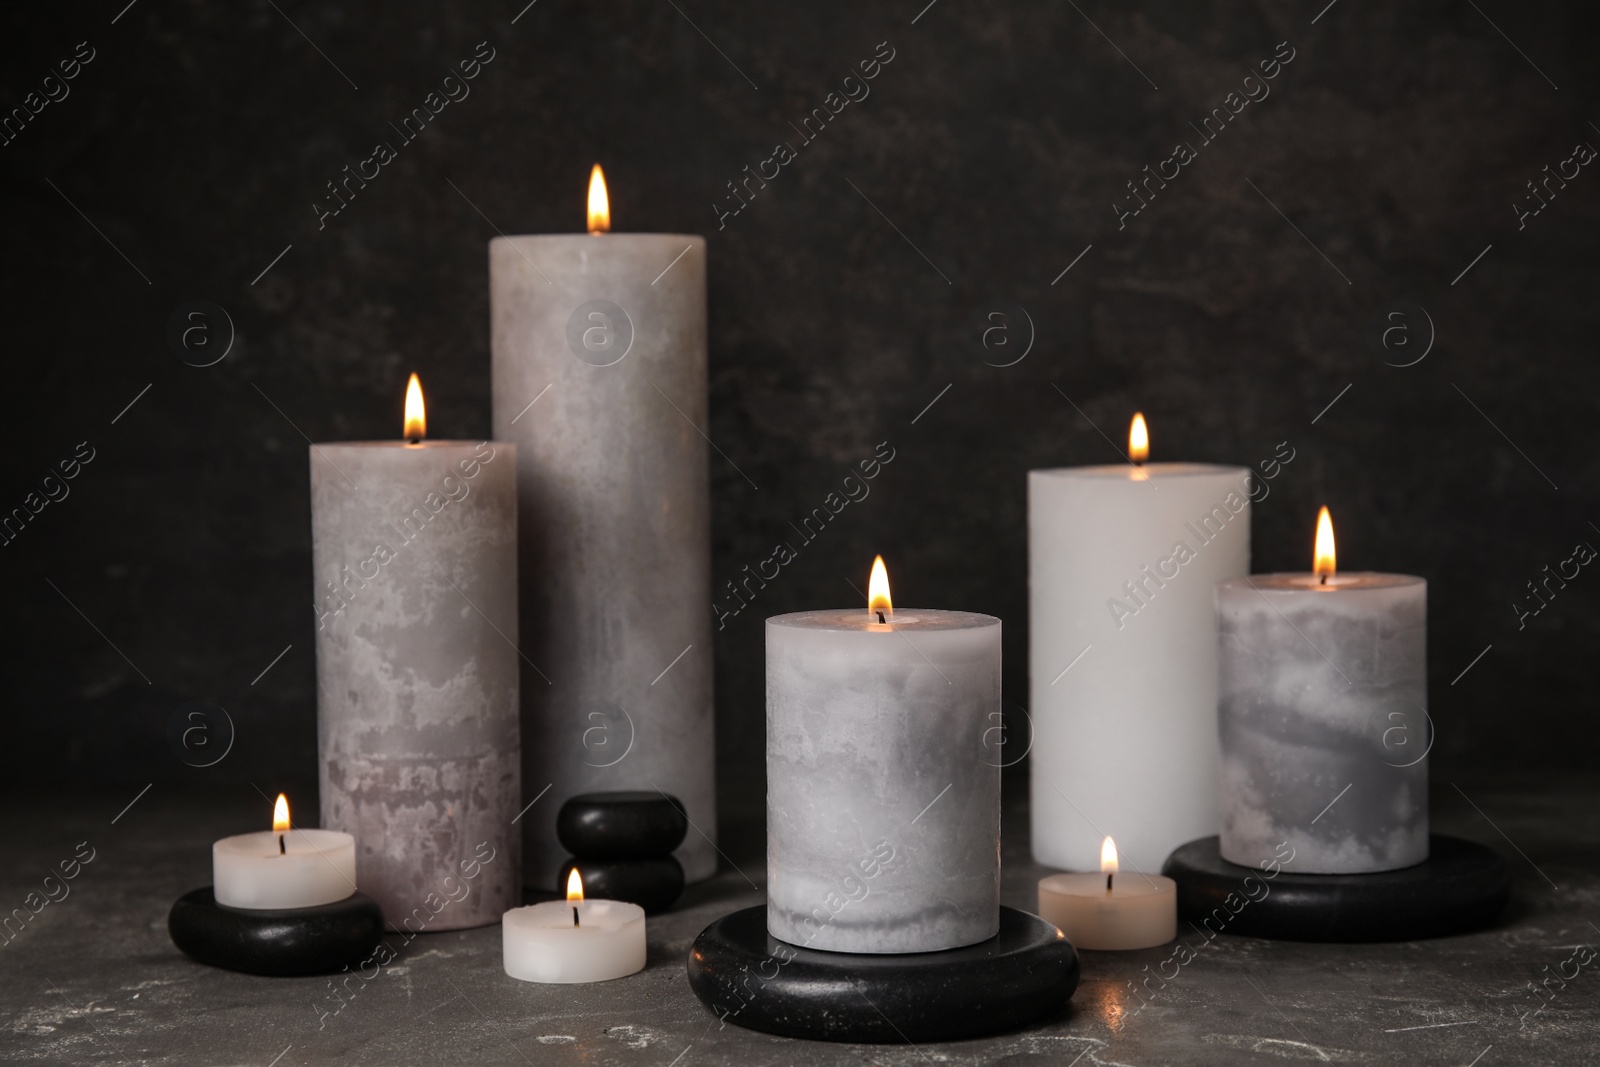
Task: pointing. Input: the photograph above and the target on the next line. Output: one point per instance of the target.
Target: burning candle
(284, 867)
(573, 941)
(1322, 717)
(883, 805)
(599, 376)
(1108, 910)
(414, 554)
(1122, 650)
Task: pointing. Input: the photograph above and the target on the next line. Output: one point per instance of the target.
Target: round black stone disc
(276, 942)
(622, 825)
(1461, 886)
(654, 885)
(748, 977)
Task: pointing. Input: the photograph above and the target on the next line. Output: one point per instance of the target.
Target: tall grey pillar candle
(415, 567)
(599, 366)
(883, 801)
(1322, 720)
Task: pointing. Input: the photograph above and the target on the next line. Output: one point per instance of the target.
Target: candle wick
(882, 621)
(283, 849)
(1109, 876)
(1324, 580)
(574, 915)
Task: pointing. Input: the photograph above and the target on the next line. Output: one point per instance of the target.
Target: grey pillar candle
(1322, 721)
(599, 345)
(414, 562)
(883, 803)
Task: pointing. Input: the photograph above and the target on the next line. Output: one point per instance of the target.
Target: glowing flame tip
(1323, 557)
(574, 887)
(878, 600)
(416, 422)
(280, 814)
(599, 202)
(1108, 856)
(1138, 439)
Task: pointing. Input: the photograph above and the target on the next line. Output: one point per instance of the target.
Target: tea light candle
(284, 868)
(1102, 911)
(565, 943)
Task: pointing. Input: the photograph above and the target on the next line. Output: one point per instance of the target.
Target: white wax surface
(1125, 740)
(883, 800)
(1138, 912)
(540, 943)
(316, 867)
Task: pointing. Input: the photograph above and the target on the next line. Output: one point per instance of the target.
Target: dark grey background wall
(850, 293)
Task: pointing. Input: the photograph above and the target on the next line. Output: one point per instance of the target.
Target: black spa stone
(1461, 886)
(1025, 973)
(279, 942)
(653, 884)
(621, 825)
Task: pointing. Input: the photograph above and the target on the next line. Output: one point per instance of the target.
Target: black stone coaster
(746, 976)
(654, 885)
(1460, 887)
(287, 941)
(621, 825)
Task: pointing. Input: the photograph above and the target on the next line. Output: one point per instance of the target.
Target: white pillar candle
(1108, 910)
(283, 868)
(414, 554)
(577, 940)
(1122, 655)
(883, 805)
(1323, 719)
(599, 376)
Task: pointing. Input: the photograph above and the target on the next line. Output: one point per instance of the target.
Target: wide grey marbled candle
(883, 802)
(1322, 720)
(414, 563)
(599, 375)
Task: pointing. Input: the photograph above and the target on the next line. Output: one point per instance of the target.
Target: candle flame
(878, 601)
(599, 202)
(1323, 556)
(280, 815)
(416, 424)
(1138, 439)
(1108, 856)
(574, 887)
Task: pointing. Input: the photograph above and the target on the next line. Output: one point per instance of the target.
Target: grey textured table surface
(93, 978)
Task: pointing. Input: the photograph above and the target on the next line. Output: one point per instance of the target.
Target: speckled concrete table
(93, 979)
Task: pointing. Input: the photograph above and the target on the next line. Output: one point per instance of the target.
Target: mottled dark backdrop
(852, 292)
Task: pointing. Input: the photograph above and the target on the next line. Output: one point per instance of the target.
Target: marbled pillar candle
(599, 374)
(883, 803)
(415, 570)
(1322, 720)
(1122, 654)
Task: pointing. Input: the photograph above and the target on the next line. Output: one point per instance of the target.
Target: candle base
(1025, 973)
(1461, 886)
(279, 941)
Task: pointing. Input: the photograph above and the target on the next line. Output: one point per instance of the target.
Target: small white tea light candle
(284, 868)
(1102, 911)
(576, 941)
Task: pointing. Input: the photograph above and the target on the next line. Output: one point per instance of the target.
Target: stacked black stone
(621, 844)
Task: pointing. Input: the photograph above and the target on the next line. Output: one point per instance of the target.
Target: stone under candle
(599, 376)
(1322, 720)
(1122, 652)
(414, 556)
(883, 805)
